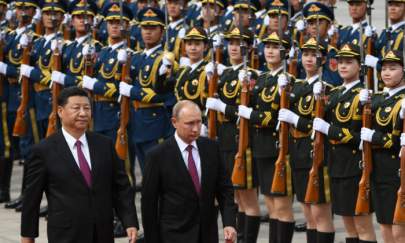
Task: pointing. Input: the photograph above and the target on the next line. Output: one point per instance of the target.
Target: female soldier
(265, 103)
(318, 215)
(342, 126)
(229, 91)
(384, 135)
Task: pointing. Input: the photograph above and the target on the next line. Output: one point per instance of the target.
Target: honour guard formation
(220, 102)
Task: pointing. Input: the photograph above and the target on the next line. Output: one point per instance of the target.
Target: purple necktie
(84, 166)
(192, 169)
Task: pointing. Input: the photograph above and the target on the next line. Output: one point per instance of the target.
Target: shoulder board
(138, 52)
(401, 96)
(335, 88)
(327, 85)
(129, 50)
(356, 90)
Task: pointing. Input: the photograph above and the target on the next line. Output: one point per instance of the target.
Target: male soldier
(176, 28)
(153, 100)
(16, 40)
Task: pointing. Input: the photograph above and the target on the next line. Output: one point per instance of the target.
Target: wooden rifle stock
(20, 126)
(121, 143)
(67, 30)
(312, 193)
(293, 66)
(370, 71)
(239, 169)
(39, 28)
(56, 88)
(254, 59)
(278, 185)
(212, 92)
(399, 213)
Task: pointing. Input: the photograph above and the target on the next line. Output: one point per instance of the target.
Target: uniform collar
(80, 40)
(116, 45)
(182, 145)
(49, 38)
(350, 85)
(397, 25)
(148, 52)
(236, 67)
(392, 92)
(195, 65)
(355, 26)
(19, 31)
(174, 24)
(312, 79)
(275, 72)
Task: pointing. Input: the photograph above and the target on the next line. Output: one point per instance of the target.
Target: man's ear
(174, 121)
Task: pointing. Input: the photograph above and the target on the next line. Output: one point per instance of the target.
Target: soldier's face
(51, 19)
(357, 10)
(396, 11)
(24, 14)
(272, 54)
(174, 8)
(234, 52)
(188, 123)
(309, 61)
(195, 50)
(79, 22)
(348, 69)
(273, 24)
(76, 114)
(151, 35)
(114, 28)
(210, 11)
(142, 4)
(323, 27)
(241, 15)
(392, 74)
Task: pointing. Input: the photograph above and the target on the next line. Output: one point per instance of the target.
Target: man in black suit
(83, 180)
(183, 177)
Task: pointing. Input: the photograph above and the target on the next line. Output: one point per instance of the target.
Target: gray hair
(180, 105)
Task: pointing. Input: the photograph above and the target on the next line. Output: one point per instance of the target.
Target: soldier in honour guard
(75, 53)
(342, 125)
(226, 105)
(388, 109)
(300, 115)
(151, 92)
(15, 43)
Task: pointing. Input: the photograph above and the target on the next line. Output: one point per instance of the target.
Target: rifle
(335, 37)
(363, 196)
(278, 185)
(20, 126)
(293, 66)
(313, 187)
(1, 59)
(67, 31)
(88, 59)
(121, 142)
(399, 213)
(370, 50)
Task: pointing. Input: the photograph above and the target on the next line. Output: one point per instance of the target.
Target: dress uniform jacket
(391, 38)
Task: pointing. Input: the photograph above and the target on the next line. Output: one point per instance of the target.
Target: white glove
(185, 61)
(366, 134)
(88, 50)
(25, 70)
(282, 81)
(9, 14)
(2, 35)
(88, 82)
(166, 61)
(58, 77)
(215, 104)
(291, 54)
(37, 16)
(300, 25)
(369, 31)
(25, 40)
(125, 89)
(331, 30)
(163, 70)
(402, 139)
(402, 112)
(321, 125)
(217, 40)
(288, 116)
(3, 68)
(181, 33)
(209, 68)
(204, 131)
(56, 44)
(67, 19)
(122, 56)
(244, 111)
(364, 95)
(317, 89)
(242, 75)
(371, 61)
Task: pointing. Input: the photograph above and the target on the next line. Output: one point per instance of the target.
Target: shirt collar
(275, 72)
(212, 29)
(393, 91)
(355, 26)
(173, 25)
(312, 79)
(397, 25)
(148, 52)
(19, 31)
(116, 45)
(49, 37)
(182, 145)
(236, 67)
(195, 65)
(71, 141)
(350, 85)
(81, 39)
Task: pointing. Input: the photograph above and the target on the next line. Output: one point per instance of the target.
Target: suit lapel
(93, 155)
(204, 165)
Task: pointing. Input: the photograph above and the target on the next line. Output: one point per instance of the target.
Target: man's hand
(229, 234)
(27, 240)
(132, 232)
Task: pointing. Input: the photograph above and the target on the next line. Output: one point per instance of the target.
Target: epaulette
(138, 52)
(129, 50)
(401, 96)
(356, 90)
(335, 88)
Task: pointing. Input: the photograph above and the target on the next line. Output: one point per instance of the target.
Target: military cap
(4, 2)
(314, 10)
(27, 3)
(396, 1)
(394, 56)
(78, 7)
(275, 39)
(196, 33)
(151, 16)
(366, 1)
(53, 5)
(112, 11)
(243, 34)
(277, 6)
(312, 44)
(221, 3)
(349, 50)
(254, 5)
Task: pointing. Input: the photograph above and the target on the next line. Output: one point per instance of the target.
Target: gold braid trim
(149, 95)
(347, 136)
(176, 92)
(76, 70)
(15, 61)
(249, 169)
(392, 115)
(231, 94)
(6, 138)
(303, 111)
(110, 74)
(389, 143)
(201, 79)
(152, 74)
(398, 40)
(326, 184)
(268, 98)
(343, 119)
(267, 119)
(289, 177)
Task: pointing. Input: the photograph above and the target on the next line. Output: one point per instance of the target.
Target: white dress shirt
(71, 141)
(184, 153)
(350, 85)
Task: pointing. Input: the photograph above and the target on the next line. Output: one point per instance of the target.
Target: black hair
(66, 93)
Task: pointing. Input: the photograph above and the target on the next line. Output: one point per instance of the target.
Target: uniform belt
(98, 98)
(39, 87)
(298, 134)
(12, 80)
(142, 105)
(221, 118)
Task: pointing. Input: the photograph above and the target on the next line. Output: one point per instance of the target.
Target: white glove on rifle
(217, 40)
(331, 31)
(402, 139)
(300, 25)
(369, 30)
(37, 16)
(56, 44)
(364, 95)
(243, 74)
(321, 125)
(25, 40)
(125, 89)
(366, 134)
(88, 50)
(402, 112)
(204, 131)
(282, 81)
(215, 104)
(3, 68)
(58, 77)
(317, 89)
(166, 65)
(209, 68)
(25, 70)
(122, 56)
(88, 82)
(244, 111)
(185, 61)
(288, 116)
(9, 15)
(371, 61)
(67, 18)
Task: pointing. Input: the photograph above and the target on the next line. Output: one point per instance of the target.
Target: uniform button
(274, 134)
(111, 104)
(354, 151)
(153, 114)
(393, 156)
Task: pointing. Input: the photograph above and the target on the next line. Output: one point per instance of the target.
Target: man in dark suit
(83, 180)
(183, 177)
